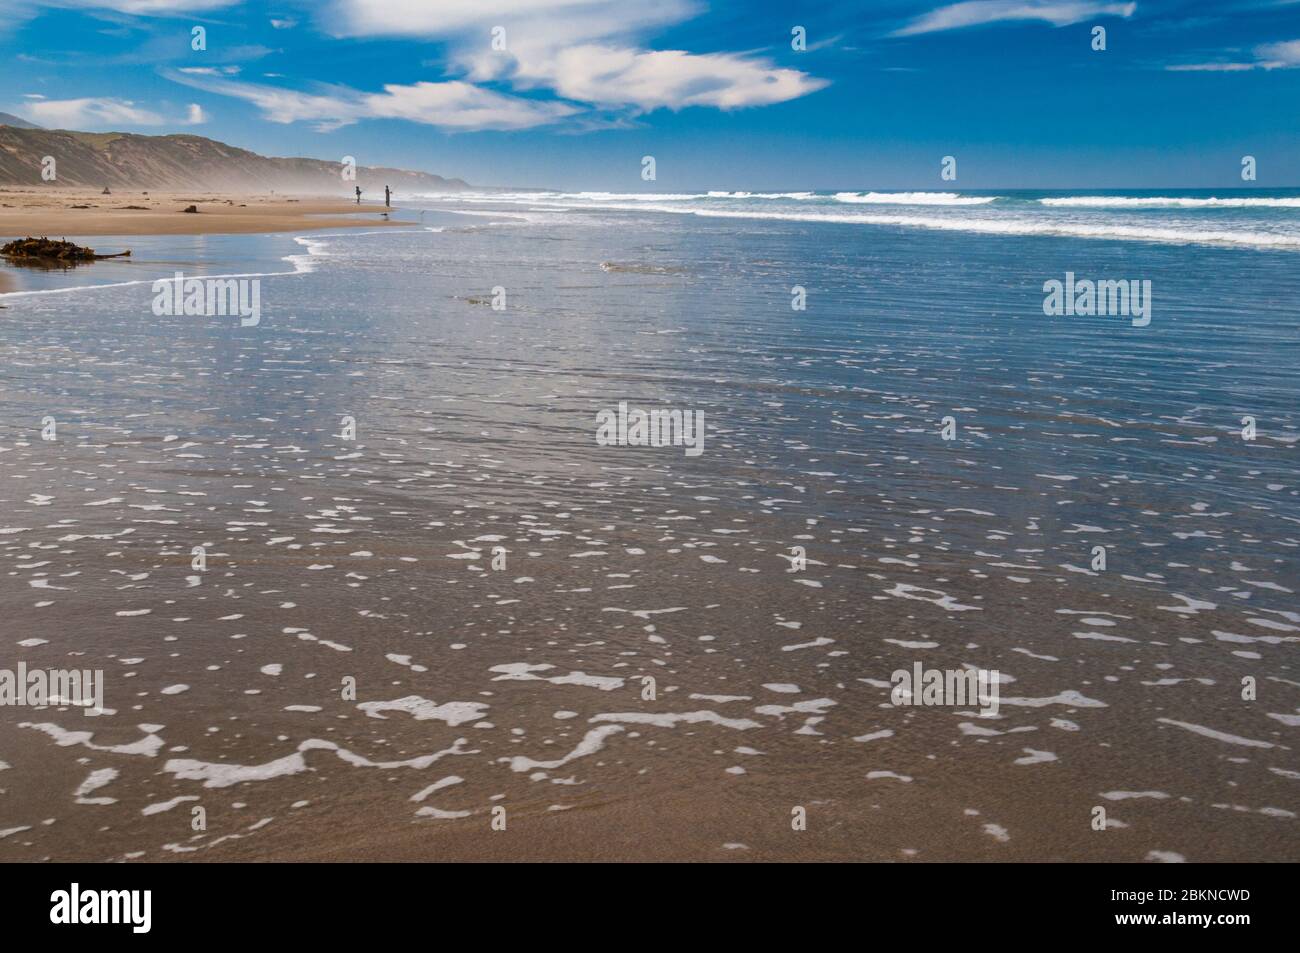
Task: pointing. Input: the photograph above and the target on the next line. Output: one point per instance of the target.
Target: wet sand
(370, 562)
(239, 677)
(59, 212)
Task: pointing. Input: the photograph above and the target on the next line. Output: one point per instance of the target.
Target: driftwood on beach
(50, 250)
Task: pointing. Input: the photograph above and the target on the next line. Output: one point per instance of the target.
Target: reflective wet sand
(368, 562)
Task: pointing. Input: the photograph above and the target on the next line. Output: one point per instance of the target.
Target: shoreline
(86, 212)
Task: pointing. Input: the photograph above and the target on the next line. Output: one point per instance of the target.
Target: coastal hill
(10, 120)
(180, 162)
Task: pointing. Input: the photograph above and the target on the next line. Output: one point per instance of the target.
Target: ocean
(435, 617)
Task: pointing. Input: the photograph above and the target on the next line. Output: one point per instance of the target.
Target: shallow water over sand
(329, 559)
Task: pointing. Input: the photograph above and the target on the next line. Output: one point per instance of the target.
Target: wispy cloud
(575, 20)
(1210, 67)
(451, 105)
(1279, 54)
(209, 70)
(583, 50)
(157, 8)
(673, 79)
(89, 113)
(145, 7)
(1058, 13)
(588, 55)
(14, 13)
(1267, 56)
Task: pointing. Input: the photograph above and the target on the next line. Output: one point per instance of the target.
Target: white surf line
(1161, 201)
(382, 231)
(484, 214)
(1153, 235)
(982, 226)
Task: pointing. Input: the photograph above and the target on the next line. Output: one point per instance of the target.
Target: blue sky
(712, 88)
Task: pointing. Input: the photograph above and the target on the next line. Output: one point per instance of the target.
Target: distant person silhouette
(358, 195)
(388, 196)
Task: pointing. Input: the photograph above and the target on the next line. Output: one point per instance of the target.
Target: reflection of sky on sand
(329, 558)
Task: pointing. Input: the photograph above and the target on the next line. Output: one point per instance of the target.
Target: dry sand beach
(57, 212)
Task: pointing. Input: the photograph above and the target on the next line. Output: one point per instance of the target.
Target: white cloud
(14, 13)
(458, 105)
(89, 113)
(980, 12)
(196, 115)
(1275, 55)
(1211, 67)
(1268, 56)
(210, 70)
(570, 21)
(146, 7)
(451, 105)
(583, 50)
(159, 8)
(613, 76)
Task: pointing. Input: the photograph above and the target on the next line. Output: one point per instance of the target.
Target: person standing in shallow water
(388, 196)
(358, 195)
